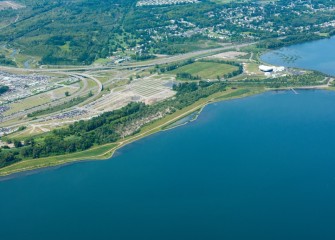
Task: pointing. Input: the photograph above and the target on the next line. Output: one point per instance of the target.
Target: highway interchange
(90, 82)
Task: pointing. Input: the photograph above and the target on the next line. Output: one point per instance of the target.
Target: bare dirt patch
(229, 55)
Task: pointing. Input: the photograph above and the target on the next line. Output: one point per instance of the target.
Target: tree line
(106, 128)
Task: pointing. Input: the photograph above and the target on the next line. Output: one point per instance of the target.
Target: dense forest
(90, 29)
(81, 31)
(290, 40)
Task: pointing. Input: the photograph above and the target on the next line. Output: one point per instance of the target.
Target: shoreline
(106, 151)
(111, 148)
(11, 171)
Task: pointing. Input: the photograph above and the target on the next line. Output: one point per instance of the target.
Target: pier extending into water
(295, 92)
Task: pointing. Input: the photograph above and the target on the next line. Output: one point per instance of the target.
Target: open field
(206, 70)
(28, 103)
(253, 68)
(252, 71)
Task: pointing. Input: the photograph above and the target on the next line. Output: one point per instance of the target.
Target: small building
(279, 69)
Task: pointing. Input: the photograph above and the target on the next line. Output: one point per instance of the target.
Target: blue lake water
(262, 167)
(315, 55)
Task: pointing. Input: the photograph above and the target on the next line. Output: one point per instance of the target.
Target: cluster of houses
(249, 21)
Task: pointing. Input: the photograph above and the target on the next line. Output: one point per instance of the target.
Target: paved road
(16, 19)
(53, 103)
(148, 63)
(93, 78)
(82, 73)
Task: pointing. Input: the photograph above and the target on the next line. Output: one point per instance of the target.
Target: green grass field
(29, 102)
(206, 70)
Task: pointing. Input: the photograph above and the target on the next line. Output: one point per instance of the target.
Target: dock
(294, 91)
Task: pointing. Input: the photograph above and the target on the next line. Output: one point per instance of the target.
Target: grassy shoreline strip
(106, 151)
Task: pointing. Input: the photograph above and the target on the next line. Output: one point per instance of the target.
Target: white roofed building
(264, 68)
